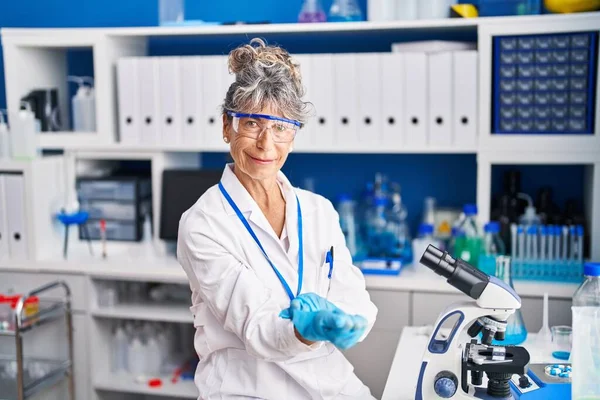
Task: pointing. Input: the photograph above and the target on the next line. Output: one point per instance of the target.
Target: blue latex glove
(317, 319)
(308, 302)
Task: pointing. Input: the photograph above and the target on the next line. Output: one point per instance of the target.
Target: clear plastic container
(585, 352)
(424, 239)
(345, 11)
(312, 11)
(348, 223)
(400, 242)
(492, 246)
(468, 246)
(171, 12)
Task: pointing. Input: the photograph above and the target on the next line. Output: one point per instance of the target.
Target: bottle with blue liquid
(349, 225)
(516, 333)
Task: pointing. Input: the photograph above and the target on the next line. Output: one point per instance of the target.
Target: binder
(14, 189)
(305, 138)
(369, 99)
(439, 86)
(191, 100)
(169, 99)
(148, 98)
(392, 101)
(4, 253)
(464, 116)
(128, 102)
(346, 100)
(212, 98)
(415, 99)
(322, 96)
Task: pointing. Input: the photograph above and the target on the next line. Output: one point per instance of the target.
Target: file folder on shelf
(322, 96)
(392, 99)
(4, 252)
(415, 99)
(14, 188)
(440, 99)
(128, 101)
(148, 99)
(369, 99)
(213, 94)
(346, 100)
(465, 110)
(305, 136)
(169, 96)
(191, 100)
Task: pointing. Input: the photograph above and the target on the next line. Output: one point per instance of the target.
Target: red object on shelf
(154, 383)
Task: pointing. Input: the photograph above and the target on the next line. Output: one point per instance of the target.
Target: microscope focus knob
(445, 384)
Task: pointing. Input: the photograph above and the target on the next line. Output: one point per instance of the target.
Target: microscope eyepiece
(459, 273)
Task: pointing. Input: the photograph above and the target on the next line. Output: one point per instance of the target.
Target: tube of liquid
(565, 243)
(520, 251)
(529, 243)
(550, 229)
(557, 231)
(513, 241)
(579, 245)
(572, 256)
(543, 242)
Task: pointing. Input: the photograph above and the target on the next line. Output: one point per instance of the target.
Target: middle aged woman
(274, 291)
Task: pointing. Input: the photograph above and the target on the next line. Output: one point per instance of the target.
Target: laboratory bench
(414, 298)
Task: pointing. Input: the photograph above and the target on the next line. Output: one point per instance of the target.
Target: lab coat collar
(250, 209)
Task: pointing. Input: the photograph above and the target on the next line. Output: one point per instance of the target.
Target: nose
(265, 140)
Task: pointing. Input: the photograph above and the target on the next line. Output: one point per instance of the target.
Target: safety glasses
(253, 125)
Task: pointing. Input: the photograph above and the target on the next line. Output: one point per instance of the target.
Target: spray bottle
(84, 104)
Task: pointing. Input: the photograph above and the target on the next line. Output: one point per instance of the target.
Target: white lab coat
(246, 350)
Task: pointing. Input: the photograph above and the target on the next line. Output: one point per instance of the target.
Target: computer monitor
(180, 190)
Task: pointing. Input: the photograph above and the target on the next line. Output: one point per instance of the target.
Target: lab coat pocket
(323, 279)
(335, 375)
(245, 376)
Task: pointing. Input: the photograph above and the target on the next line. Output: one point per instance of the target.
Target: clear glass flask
(516, 333)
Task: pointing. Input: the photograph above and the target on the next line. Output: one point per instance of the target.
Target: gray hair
(265, 75)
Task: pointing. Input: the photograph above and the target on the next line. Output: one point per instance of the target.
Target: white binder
(148, 98)
(322, 96)
(169, 100)
(213, 94)
(127, 89)
(392, 101)
(464, 117)
(191, 100)
(14, 188)
(346, 101)
(369, 100)
(415, 99)
(305, 138)
(439, 85)
(4, 252)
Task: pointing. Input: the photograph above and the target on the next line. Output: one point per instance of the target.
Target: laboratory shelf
(52, 372)
(126, 384)
(146, 312)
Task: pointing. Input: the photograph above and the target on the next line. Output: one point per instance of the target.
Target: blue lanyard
(300, 244)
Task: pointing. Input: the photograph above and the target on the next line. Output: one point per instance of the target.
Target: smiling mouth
(260, 160)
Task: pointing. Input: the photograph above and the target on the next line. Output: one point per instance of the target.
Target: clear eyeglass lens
(253, 127)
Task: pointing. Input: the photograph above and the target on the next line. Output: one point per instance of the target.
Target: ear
(226, 124)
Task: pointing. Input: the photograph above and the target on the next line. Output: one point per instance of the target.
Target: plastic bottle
(424, 239)
(429, 211)
(153, 356)
(468, 246)
(120, 350)
(137, 357)
(529, 217)
(399, 244)
(84, 105)
(23, 132)
(4, 138)
(516, 333)
(585, 352)
(345, 11)
(312, 11)
(376, 228)
(492, 247)
(348, 222)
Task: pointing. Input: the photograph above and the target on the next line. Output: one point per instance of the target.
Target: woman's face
(259, 159)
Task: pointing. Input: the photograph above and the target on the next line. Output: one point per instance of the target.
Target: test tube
(572, 256)
(565, 243)
(543, 242)
(557, 243)
(579, 245)
(520, 250)
(513, 241)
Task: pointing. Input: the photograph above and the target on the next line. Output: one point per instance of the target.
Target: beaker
(516, 333)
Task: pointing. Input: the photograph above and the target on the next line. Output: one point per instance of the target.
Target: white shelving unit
(37, 58)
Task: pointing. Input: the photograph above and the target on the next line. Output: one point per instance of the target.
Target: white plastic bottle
(153, 357)
(4, 138)
(120, 350)
(585, 352)
(84, 105)
(137, 358)
(424, 239)
(23, 133)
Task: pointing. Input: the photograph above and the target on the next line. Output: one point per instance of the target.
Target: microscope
(453, 358)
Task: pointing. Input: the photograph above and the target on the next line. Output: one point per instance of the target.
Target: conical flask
(516, 333)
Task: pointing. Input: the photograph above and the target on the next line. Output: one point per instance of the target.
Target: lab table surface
(402, 379)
